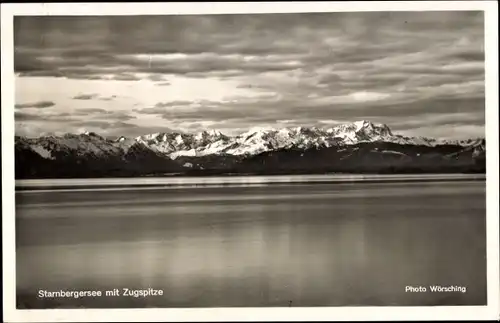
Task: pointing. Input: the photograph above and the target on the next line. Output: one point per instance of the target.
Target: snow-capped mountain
(355, 147)
(182, 144)
(258, 140)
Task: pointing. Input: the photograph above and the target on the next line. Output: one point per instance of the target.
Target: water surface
(293, 244)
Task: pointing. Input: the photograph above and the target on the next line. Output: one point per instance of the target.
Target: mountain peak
(91, 134)
(256, 129)
(210, 132)
(380, 128)
(362, 124)
(213, 132)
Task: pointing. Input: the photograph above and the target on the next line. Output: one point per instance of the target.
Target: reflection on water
(313, 245)
(244, 180)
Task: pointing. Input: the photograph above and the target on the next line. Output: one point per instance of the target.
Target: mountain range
(359, 147)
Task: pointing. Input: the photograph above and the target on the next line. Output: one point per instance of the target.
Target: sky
(421, 73)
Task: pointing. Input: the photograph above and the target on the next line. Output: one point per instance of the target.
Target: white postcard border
(490, 312)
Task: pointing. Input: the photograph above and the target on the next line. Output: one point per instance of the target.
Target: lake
(254, 242)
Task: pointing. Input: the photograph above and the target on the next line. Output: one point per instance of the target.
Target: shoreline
(40, 185)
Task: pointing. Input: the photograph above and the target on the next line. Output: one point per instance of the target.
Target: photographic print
(250, 160)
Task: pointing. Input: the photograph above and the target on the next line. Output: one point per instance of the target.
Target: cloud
(251, 43)
(156, 78)
(93, 96)
(304, 67)
(91, 115)
(103, 125)
(172, 104)
(37, 105)
(21, 116)
(124, 77)
(62, 117)
(107, 98)
(468, 131)
(163, 84)
(180, 107)
(85, 96)
(100, 113)
(121, 116)
(86, 111)
(154, 110)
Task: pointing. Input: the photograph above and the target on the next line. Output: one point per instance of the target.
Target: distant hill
(360, 147)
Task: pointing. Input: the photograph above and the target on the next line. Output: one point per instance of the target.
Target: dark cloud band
(38, 105)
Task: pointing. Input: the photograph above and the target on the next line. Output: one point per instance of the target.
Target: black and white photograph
(279, 160)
